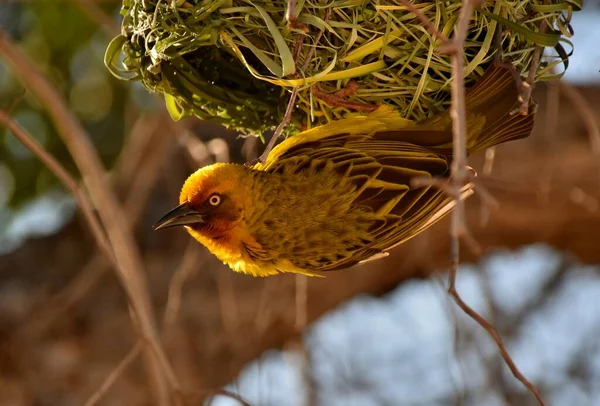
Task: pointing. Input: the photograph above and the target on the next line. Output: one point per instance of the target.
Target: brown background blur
(64, 321)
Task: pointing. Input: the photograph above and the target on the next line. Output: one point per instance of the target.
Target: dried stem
(129, 269)
(587, 113)
(115, 374)
(145, 171)
(527, 86)
(496, 337)
(426, 21)
(66, 179)
(488, 165)
(291, 12)
(279, 130)
(187, 268)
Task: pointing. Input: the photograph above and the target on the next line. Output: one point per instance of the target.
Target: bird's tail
(492, 112)
(496, 97)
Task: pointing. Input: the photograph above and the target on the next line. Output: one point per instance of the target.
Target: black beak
(179, 216)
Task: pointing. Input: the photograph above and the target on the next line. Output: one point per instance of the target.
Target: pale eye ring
(215, 200)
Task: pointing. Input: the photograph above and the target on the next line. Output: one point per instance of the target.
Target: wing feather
(379, 154)
(381, 169)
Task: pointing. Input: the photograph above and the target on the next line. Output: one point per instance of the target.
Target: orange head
(211, 201)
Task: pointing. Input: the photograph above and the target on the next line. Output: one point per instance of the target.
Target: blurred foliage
(69, 48)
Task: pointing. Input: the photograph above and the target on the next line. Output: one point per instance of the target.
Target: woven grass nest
(236, 61)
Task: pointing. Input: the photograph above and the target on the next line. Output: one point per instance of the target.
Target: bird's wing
(381, 171)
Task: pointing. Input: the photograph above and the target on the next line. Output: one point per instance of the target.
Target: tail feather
(496, 98)
(491, 113)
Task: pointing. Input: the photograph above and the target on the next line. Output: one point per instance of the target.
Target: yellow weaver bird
(340, 194)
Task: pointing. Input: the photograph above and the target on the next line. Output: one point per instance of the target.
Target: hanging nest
(236, 61)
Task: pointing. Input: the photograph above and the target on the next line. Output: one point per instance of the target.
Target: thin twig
(294, 95)
(460, 177)
(488, 165)
(527, 86)
(190, 264)
(279, 130)
(426, 21)
(230, 314)
(138, 181)
(97, 15)
(586, 112)
(130, 269)
(66, 179)
(499, 343)
(115, 374)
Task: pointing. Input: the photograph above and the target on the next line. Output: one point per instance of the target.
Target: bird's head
(211, 203)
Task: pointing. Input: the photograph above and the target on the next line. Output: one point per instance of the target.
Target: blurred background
(381, 334)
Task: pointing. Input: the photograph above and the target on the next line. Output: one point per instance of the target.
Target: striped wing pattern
(381, 171)
(382, 162)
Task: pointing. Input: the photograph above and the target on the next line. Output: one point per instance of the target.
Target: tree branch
(129, 269)
(460, 176)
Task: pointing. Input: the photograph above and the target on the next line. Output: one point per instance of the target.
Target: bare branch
(190, 264)
(130, 269)
(227, 394)
(143, 165)
(461, 176)
(492, 332)
(279, 130)
(115, 374)
(66, 179)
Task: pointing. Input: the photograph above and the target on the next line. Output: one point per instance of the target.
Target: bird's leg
(338, 99)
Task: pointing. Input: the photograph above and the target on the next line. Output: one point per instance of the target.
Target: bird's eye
(215, 200)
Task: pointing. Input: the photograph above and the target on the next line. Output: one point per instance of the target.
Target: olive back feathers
(372, 160)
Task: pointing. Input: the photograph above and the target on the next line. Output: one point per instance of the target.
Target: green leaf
(175, 112)
(287, 60)
(269, 63)
(548, 40)
(113, 51)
